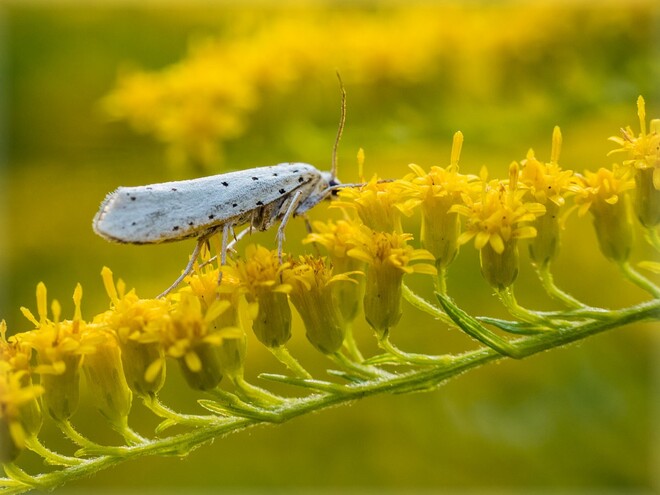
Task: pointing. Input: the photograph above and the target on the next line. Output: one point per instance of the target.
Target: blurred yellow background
(504, 74)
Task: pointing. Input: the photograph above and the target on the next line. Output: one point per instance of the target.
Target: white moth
(202, 207)
(172, 211)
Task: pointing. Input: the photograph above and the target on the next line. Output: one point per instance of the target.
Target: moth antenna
(340, 130)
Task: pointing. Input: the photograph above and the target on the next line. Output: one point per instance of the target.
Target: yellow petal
(193, 362)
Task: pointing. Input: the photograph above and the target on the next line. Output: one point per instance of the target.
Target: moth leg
(308, 224)
(230, 245)
(223, 250)
(193, 257)
(238, 237)
(295, 200)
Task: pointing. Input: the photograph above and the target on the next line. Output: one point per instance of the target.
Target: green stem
(361, 370)
(255, 393)
(50, 456)
(351, 346)
(283, 356)
(425, 306)
(545, 275)
(508, 299)
(427, 377)
(87, 445)
(638, 279)
(412, 358)
(440, 281)
(159, 409)
(26, 481)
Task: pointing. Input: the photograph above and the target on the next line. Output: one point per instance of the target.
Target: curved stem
(361, 370)
(283, 356)
(425, 306)
(159, 409)
(351, 345)
(440, 281)
(638, 279)
(50, 456)
(545, 275)
(256, 393)
(412, 358)
(508, 299)
(85, 443)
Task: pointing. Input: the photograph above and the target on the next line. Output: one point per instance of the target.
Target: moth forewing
(173, 211)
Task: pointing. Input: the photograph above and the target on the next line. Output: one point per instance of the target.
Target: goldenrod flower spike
(138, 325)
(644, 158)
(20, 413)
(20, 417)
(496, 221)
(107, 383)
(549, 185)
(192, 338)
(338, 238)
(260, 276)
(60, 346)
(311, 281)
(605, 195)
(379, 205)
(232, 321)
(388, 258)
(437, 191)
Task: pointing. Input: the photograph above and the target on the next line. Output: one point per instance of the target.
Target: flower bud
(500, 269)
(201, 366)
(272, 323)
(613, 228)
(62, 388)
(107, 383)
(544, 247)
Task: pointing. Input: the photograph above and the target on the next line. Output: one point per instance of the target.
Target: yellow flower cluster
(203, 326)
(208, 97)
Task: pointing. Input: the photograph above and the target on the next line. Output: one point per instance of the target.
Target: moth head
(332, 183)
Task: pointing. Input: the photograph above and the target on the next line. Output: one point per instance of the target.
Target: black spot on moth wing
(282, 191)
(260, 203)
(211, 217)
(175, 228)
(255, 178)
(224, 183)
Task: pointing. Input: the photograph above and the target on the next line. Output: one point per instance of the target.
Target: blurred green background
(581, 418)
